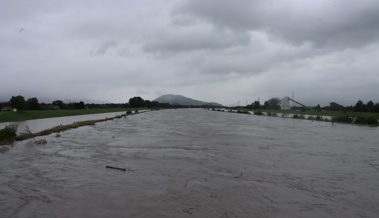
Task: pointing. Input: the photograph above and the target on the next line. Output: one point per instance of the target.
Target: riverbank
(349, 117)
(322, 113)
(10, 116)
(9, 135)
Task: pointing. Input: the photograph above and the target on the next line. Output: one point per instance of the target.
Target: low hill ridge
(182, 100)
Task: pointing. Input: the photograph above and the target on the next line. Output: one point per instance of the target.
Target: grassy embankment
(8, 134)
(363, 118)
(10, 116)
(324, 113)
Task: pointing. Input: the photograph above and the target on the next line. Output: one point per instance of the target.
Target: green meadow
(325, 113)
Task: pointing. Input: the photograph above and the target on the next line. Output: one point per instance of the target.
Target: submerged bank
(339, 118)
(9, 135)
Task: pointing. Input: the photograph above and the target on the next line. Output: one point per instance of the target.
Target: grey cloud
(196, 38)
(322, 50)
(338, 24)
(104, 47)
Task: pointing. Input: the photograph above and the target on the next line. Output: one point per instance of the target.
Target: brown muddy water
(195, 163)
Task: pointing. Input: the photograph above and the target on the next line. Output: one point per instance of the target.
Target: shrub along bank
(336, 117)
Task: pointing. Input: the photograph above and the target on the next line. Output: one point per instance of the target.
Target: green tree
(256, 105)
(59, 103)
(359, 106)
(266, 105)
(274, 103)
(80, 105)
(370, 107)
(154, 104)
(18, 102)
(136, 102)
(333, 106)
(33, 104)
(148, 103)
(376, 108)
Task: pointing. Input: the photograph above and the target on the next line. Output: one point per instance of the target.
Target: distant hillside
(181, 100)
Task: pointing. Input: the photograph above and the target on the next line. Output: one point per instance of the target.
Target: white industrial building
(285, 103)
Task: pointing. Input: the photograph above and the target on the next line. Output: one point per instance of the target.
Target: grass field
(10, 116)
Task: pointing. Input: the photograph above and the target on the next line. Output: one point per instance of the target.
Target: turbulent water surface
(195, 163)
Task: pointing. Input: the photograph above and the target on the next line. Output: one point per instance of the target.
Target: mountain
(181, 100)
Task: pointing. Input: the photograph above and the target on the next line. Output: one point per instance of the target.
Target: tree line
(358, 107)
(20, 104)
(274, 104)
(271, 104)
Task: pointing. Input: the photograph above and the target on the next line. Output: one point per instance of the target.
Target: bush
(258, 113)
(4, 149)
(342, 119)
(243, 112)
(366, 120)
(318, 117)
(8, 132)
(128, 112)
(372, 120)
(26, 134)
(298, 116)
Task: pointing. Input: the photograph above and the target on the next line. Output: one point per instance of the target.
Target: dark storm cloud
(340, 24)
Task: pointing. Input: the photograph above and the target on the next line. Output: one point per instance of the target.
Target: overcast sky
(211, 50)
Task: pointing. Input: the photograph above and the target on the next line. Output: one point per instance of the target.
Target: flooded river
(195, 163)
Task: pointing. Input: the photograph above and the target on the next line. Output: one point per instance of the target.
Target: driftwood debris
(188, 211)
(116, 168)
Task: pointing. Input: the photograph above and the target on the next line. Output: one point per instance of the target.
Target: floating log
(116, 168)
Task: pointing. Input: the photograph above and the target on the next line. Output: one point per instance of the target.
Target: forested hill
(181, 100)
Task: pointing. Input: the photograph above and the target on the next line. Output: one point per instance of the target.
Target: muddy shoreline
(195, 163)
